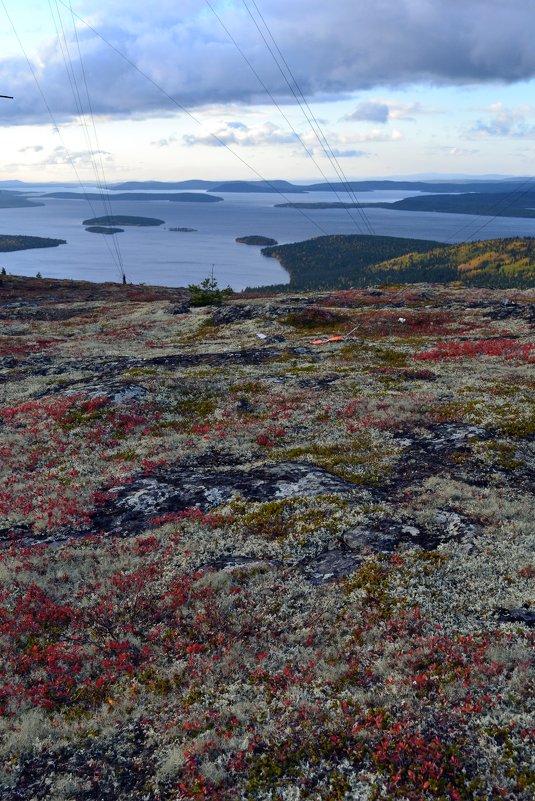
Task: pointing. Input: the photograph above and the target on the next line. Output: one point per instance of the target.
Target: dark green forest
(341, 261)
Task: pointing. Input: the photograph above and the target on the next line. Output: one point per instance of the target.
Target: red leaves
(270, 437)
(469, 349)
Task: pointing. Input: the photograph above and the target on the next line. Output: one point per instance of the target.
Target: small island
(115, 220)
(183, 229)
(101, 229)
(14, 242)
(263, 241)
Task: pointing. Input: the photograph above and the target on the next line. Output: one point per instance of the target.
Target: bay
(159, 256)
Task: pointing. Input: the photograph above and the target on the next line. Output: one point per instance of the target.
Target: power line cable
(98, 152)
(51, 115)
(305, 108)
(188, 113)
(498, 207)
(276, 104)
(92, 146)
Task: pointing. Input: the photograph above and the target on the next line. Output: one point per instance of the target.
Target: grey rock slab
(330, 565)
(173, 489)
(385, 536)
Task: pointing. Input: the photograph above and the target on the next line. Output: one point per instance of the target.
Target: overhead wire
(189, 114)
(277, 105)
(48, 109)
(91, 143)
(98, 151)
(498, 208)
(304, 106)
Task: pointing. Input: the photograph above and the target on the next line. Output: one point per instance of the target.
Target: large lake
(170, 258)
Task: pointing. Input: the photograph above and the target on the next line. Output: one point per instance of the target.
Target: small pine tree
(207, 293)
(4, 271)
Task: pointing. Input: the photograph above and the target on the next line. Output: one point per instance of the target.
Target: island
(183, 229)
(263, 241)
(101, 229)
(177, 197)
(516, 203)
(123, 219)
(15, 200)
(10, 242)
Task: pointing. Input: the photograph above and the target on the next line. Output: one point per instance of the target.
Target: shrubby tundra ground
(252, 567)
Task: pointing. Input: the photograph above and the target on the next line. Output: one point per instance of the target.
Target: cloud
(504, 122)
(31, 149)
(80, 158)
(237, 133)
(164, 142)
(371, 110)
(333, 49)
(347, 154)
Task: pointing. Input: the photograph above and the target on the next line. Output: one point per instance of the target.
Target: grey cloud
(31, 149)
(371, 110)
(505, 122)
(334, 49)
(345, 154)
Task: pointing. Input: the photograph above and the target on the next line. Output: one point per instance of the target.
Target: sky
(176, 89)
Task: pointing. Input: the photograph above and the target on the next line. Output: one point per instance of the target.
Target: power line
(498, 207)
(188, 113)
(100, 174)
(276, 104)
(304, 106)
(51, 114)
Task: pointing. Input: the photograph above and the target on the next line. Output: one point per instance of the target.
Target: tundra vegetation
(243, 567)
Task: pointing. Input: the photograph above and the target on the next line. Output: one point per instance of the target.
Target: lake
(159, 256)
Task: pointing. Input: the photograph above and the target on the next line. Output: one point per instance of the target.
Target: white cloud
(237, 133)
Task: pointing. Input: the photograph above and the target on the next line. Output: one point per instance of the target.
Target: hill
(494, 262)
(10, 242)
(242, 568)
(342, 261)
(491, 204)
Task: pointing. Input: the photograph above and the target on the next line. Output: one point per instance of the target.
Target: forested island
(490, 204)
(16, 200)
(340, 260)
(327, 262)
(179, 197)
(264, 241)
(122, 219)
(101, 229)
(10, 242)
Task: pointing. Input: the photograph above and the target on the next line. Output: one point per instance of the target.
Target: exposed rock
(330, 565)
(522, 615)
(385, 536)
(173, 489)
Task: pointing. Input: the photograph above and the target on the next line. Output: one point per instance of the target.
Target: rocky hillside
(278, 549)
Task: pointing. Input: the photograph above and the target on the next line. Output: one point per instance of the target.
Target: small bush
(207, 293)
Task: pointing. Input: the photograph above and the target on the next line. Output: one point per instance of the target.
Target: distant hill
(15, 200)
(342, 261)
(501, 263)
(504, 185)
(180, 197)
(491, 204)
